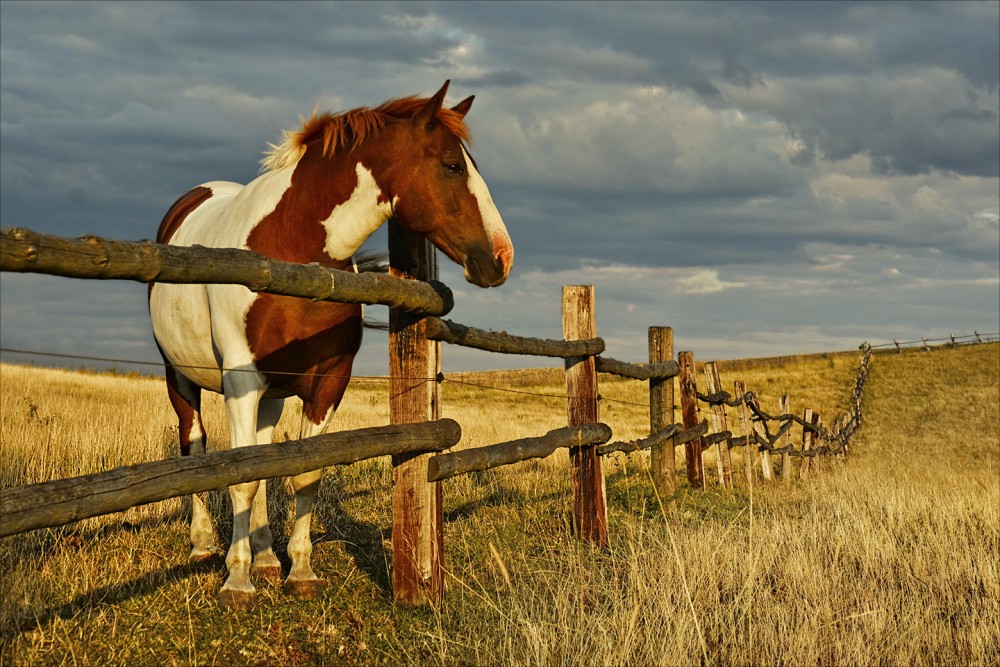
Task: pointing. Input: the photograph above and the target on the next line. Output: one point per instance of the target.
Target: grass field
(888, 557)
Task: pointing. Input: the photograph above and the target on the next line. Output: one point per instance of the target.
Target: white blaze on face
(492, 222)
(353, 221)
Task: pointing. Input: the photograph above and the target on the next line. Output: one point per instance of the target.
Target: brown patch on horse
(188, 409)
(346, 130)
(314, 192)
(179, 212)
(298, 344)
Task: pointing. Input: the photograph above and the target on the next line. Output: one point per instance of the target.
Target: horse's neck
(326, 211)
(352, 221)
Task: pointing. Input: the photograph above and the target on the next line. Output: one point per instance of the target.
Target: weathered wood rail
(62, 501)
(505, 343)
(25, 251)
(464, 461)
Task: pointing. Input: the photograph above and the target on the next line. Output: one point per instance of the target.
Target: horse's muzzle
(486, 271)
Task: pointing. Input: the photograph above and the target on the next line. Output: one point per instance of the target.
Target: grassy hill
(886, 557)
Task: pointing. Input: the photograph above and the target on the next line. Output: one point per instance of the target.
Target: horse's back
(193, 218)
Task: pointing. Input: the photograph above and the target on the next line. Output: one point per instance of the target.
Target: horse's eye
(455, 167)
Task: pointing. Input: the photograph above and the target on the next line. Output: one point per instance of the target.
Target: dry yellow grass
(886, 558)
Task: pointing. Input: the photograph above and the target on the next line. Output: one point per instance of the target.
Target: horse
(323, 190)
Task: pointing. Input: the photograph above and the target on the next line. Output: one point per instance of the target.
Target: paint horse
(324, 190)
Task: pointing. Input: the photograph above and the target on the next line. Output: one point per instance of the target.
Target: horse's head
(438, 192)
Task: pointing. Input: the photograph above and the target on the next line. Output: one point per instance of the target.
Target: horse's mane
(349, 128)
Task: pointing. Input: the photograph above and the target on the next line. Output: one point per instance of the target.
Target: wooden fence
(416, 300)
(926, 343)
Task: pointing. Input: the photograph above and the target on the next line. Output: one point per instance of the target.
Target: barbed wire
(965, 339)
(439, 378)
(767, 443)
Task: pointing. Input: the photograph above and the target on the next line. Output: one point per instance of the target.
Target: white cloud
(705, 281)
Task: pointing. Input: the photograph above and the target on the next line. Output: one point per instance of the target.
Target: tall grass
(887, 557)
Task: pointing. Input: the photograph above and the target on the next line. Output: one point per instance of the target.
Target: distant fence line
(758, 435)
(974, 338)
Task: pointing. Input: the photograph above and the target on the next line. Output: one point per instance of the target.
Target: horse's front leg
(243, 391)
(302, 582)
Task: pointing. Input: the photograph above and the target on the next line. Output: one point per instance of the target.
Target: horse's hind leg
(185, 397)
(265, 564)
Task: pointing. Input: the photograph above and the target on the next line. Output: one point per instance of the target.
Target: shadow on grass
(109, 596)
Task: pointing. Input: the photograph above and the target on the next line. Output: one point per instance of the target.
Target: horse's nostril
(505, 259)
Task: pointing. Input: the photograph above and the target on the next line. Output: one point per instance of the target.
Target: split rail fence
(417, 434)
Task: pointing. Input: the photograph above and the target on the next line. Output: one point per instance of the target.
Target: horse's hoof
(304, 589)
(238, 600)
(200, 555)
(270, 573)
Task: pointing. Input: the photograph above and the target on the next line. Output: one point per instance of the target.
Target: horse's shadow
(112, 594)
(361, 540)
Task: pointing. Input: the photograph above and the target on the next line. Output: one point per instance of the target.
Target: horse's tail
(370, 261)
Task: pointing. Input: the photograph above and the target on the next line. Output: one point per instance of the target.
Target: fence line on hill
(415, 341)
(755, 425)
(952, 340)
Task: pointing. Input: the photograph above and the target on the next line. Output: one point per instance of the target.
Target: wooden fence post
(590, 513)
(417, 537)
(663, 465)
(808, 437)
(740, 388)
(786, 460)
(817, 421)
(724, 463)
(689, 418)
(765, 455)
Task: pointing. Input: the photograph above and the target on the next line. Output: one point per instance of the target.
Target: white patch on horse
(353, 221)
(492, 222)
(182, 313)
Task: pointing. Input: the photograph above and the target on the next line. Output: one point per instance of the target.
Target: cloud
(909, 122)
(682, 157)
(705, 282)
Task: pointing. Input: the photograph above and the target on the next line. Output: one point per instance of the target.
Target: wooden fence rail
(63, 501)
(464, 461)
(504, 343)
(672, 436)
(25, 251)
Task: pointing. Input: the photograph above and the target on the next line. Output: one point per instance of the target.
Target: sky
(765, 178)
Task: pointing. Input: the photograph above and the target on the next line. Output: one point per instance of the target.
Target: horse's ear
(463, 107)
(427, 116)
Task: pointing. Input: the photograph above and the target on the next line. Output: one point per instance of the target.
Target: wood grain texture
(724, 463)
(689, 417)
(662, 459)
(504, 343)
(590, 513)
(63, 501)
(444, 466)
(25, 251)
(414, 363)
